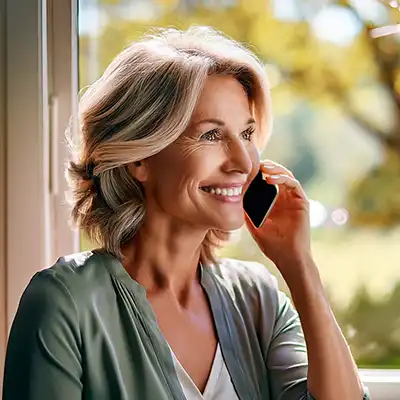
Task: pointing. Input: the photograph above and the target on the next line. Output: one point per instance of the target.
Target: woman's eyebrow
(219, 122)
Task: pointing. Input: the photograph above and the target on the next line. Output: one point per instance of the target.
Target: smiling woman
(148, 109)
(169, 143)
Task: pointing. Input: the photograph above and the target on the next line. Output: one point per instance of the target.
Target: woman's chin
(231, 224)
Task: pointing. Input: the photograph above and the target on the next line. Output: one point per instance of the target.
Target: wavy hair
(141, 104)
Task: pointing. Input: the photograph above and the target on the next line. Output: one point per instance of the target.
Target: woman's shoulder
(73, 269)
(72, 277)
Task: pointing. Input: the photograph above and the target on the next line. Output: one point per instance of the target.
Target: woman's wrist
(299, 271)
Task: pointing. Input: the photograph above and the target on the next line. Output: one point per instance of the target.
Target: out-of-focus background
(336, 98)
(334, 67)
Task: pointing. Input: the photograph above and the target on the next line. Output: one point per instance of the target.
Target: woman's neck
(164, 256)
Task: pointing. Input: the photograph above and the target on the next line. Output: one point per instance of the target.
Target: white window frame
(41, 96)
(38, 88)
(27, 149)
(383, 384)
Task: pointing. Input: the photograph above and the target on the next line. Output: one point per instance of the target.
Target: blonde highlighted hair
(141, 104)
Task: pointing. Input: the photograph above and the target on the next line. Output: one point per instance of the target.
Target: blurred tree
(342, 67)
(357, 73)
(315, 67)
(375, 200)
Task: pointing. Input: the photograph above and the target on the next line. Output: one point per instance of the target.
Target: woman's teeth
(234, 191)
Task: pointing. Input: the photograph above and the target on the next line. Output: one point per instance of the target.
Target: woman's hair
(141, 104)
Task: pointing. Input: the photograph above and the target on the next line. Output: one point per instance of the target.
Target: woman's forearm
(332, 372)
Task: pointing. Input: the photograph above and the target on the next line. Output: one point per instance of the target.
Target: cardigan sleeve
(43, 359)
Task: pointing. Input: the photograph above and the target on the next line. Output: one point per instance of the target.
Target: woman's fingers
(287, 181)
(277, 174)
(272, 168)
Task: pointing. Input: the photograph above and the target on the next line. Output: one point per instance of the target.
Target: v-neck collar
(212, 380)
(228, 337)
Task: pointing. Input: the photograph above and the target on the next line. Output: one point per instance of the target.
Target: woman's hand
(285, 236)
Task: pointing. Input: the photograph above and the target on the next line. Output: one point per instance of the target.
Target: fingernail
(270, 166)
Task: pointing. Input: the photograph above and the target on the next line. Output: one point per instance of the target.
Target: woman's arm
(285, 239)
(332, 372)
(43, 360)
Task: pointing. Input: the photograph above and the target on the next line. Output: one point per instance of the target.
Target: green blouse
(85, 330)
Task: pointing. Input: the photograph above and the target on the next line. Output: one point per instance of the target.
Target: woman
(170, 138)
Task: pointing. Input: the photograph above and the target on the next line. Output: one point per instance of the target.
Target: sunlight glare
(336, 25)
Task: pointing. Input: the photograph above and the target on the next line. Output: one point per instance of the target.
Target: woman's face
(200, 179)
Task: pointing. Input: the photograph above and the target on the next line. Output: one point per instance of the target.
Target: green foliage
(373, 328)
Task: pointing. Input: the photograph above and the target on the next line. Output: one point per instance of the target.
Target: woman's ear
(139, 170)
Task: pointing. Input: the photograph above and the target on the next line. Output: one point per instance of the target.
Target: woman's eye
(211, 136)
(248, 133)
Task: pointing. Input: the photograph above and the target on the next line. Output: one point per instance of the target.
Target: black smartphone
(259, 199)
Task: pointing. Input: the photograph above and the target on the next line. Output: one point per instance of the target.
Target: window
(36, 98)
(335, 122)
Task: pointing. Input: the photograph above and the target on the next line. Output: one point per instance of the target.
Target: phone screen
(259, 199)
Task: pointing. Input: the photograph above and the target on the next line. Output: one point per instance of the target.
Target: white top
(219, 385)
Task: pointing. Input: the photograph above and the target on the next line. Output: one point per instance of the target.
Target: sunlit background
(335, 78)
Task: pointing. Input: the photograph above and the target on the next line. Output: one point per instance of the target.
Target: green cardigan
(85, 330)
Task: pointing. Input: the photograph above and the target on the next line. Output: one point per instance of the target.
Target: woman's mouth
(225, 194)
(224, 191)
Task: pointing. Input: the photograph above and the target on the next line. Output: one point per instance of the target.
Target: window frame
(38, 87)
(383, 384)
(41, 54)
(26, 142)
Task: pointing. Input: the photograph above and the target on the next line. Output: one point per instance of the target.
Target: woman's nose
(239, 157)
